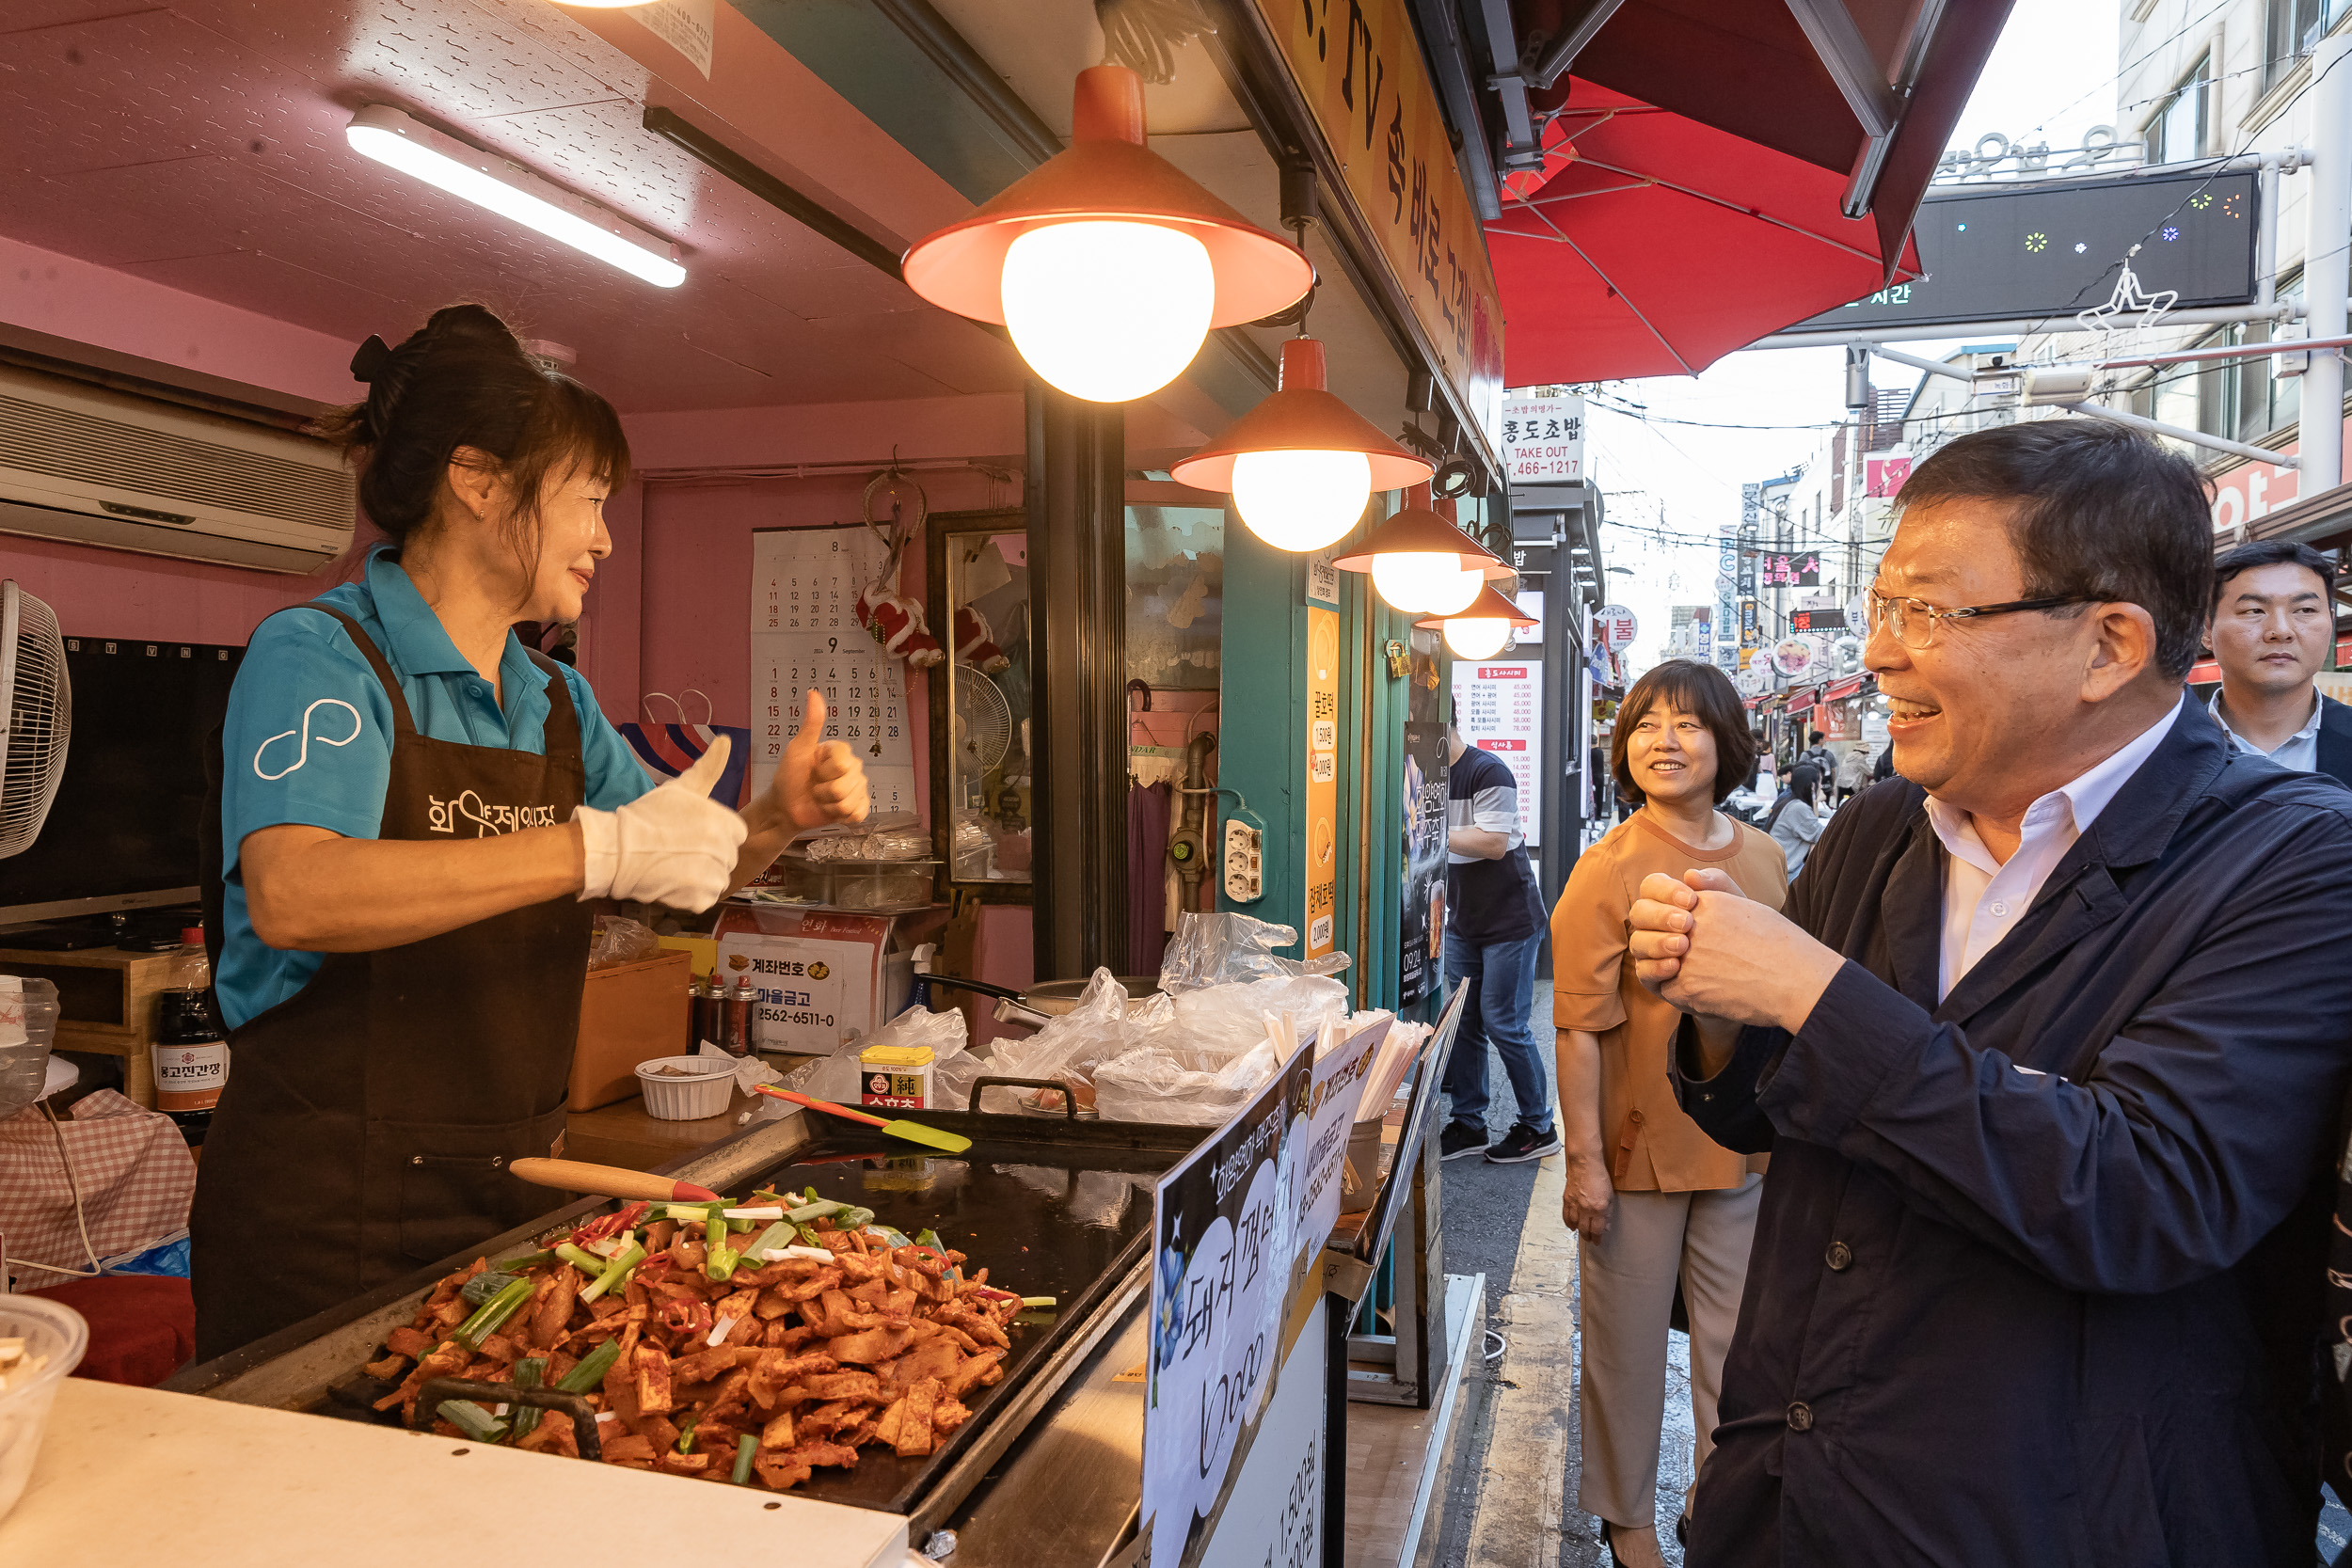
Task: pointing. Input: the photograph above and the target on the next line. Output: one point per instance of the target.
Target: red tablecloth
(142, 1327)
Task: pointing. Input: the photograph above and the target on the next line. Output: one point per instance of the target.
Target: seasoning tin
(895, 1075)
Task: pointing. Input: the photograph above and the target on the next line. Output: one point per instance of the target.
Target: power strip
(1244, 849)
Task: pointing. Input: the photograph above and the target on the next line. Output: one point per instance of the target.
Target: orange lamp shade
(1489, 606)
(1302, 417)
(1420, 531)
(1108, 174)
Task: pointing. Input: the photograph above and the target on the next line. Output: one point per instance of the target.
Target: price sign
(1499, 708)
(1223, 1229)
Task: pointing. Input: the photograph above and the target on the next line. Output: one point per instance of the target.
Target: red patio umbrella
(1661, 245)
(1701, 158)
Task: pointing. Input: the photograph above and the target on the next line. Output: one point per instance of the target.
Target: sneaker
(1523, 1143)
(1459, 1138)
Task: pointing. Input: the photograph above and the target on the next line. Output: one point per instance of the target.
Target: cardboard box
(629, 1014)
(823, 978)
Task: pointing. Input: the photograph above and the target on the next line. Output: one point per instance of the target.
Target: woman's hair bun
(467, 325)
(463, 379)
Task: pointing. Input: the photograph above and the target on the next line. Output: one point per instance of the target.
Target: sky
(2051, 76)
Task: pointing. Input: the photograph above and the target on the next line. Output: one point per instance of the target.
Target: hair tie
(373, 358)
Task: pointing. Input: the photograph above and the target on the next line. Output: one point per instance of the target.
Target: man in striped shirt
(1494, 930)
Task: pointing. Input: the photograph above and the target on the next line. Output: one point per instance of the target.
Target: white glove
(675, 845)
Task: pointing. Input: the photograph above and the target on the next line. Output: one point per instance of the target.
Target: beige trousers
(1626, 1285)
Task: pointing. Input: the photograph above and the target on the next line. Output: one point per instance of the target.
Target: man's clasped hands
(1703, 946)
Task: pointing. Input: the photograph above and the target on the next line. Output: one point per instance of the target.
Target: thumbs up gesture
(673, 845)
(818, 781)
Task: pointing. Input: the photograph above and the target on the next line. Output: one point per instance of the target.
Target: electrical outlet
(1244, 871)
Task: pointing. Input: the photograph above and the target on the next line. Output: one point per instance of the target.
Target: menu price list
(1499, 708)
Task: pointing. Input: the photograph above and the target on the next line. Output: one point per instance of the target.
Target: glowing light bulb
(1408, 578)
(1301, 500)
(1107, 312)
(1476, 636)
(1448, 594)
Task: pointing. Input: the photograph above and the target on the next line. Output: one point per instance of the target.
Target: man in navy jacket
(2048, 1050)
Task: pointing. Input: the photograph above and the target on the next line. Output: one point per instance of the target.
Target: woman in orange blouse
(1654, 1201)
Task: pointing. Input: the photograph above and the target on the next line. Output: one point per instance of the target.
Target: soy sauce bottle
(190, 1056)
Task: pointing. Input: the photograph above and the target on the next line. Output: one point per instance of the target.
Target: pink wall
(120, 311)
(100, 593)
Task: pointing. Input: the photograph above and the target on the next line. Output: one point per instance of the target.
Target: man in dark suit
(2047, 1048)
(2273, 616)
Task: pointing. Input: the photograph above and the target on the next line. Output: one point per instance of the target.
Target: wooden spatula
(913, 1133)
(576, 1176)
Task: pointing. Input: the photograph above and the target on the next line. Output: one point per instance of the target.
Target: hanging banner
(1358, 63)
(1322, 774)
(1422, 804)
(1222, 1228)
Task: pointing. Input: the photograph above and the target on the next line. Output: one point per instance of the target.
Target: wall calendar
(804, 633)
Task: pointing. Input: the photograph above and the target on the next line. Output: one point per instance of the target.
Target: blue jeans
(1501, 976)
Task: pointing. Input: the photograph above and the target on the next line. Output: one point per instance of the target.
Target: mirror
(982, 754)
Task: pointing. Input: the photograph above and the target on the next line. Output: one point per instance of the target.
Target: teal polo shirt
(308, 739)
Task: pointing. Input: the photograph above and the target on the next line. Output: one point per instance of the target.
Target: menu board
(804, 633)
(1499, 710)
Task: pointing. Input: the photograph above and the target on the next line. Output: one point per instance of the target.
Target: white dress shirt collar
(1984, 898)
(2299, 751)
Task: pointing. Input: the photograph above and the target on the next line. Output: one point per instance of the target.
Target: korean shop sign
(1359, 66)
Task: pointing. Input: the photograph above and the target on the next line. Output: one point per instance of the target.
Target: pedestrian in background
(1853, 773)
(1794, 823)
(1493, 932)
(1654, 1199)
(2273, 618)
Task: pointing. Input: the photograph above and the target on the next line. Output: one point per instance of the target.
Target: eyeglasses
(1914, 622)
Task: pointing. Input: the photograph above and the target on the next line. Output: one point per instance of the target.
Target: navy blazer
(2036, 1276)
(2335, 740)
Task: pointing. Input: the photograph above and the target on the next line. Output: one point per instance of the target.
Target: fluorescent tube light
(511, 190)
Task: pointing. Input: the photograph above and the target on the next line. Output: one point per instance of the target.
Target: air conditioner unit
(107, 467)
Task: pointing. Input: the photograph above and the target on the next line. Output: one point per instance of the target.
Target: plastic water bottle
(190, 1055)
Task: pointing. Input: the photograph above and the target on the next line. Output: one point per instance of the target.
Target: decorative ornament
(896, 623)
(976, 641)
(894, 620)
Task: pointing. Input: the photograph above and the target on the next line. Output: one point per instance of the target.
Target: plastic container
(29, 1022)
(699, 1086)
(58, 1333)
(876, 886)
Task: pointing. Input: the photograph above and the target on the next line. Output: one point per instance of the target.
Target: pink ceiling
(199, 144)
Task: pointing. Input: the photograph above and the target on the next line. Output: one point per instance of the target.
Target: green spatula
(913, 1133)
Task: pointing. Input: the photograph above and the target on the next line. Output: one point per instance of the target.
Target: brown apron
(368, 1119)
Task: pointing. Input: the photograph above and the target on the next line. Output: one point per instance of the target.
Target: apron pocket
(453, 1189)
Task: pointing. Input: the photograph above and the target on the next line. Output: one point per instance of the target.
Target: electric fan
(983, 720)
(36, 716)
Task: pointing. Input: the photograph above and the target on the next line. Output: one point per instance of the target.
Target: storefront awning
(1716, 170)
(1846, 688)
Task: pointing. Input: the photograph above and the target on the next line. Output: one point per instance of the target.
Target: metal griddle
(1045, 1216)
(1050, 1206)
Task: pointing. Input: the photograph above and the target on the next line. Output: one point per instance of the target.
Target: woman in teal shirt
(415, 810)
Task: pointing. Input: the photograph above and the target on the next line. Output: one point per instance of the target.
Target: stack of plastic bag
(1200, 1049)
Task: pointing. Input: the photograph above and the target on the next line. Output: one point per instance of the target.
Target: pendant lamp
(1108, 263)
(1301, 464)
(1482, 627)
(1420, 560)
